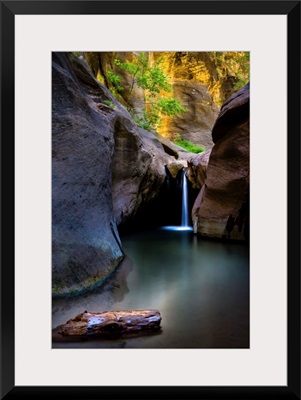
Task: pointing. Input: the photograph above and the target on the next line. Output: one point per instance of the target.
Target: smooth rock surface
(222, 207)
(105, 169)
(85, 244)
(138, 169)
(196, 123)
(197, 169)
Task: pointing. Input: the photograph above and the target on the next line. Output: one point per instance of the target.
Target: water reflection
(200, 287)
(176, 228)
(98, 300)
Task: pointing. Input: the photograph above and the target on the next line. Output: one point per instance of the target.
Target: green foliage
(243, 74)
(187, 145)
(236, 64)
(150, 118)
(153, 80)
(115, 85)
(149, 78)
(170, 106)
(145, 121)
(77, 53)
(109, 103)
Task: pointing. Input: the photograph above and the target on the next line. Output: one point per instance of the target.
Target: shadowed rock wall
(85, 243)
(105, 169)
(222, 207)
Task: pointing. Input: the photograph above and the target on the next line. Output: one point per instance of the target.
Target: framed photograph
(150, 199)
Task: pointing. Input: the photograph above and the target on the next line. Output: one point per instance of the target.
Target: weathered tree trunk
(110, 323)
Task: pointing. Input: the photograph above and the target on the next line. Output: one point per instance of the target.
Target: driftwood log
(111, 323)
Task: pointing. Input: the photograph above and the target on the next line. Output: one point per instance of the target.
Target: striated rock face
(222, 207)
(201, 88)
(105, 169)
(197, 82)
(196, 123)
(85, 243)
(138, 167)
(101, 62)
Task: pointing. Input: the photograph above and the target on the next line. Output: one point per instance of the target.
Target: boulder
(174, 168)
(178, 152)
(222, 207)
(197, 169)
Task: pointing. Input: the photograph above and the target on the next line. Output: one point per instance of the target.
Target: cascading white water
(184, 216)
(184, 220)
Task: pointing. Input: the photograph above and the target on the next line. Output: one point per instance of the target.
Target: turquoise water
(200, 287)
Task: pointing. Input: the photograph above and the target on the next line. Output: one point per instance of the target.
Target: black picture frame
(9, 9)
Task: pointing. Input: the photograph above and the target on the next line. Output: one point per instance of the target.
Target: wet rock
(111, 323)
(174, 168)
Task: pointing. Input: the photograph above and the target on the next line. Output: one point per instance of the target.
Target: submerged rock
(222, 207)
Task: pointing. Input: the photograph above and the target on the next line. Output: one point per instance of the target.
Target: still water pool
(200, 287)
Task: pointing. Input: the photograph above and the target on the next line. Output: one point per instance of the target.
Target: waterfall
(184, 220)
(184, 209)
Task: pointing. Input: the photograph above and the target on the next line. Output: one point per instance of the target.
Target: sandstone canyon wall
(107, 172)
(196, 79)
(222, 207)
(104, 169)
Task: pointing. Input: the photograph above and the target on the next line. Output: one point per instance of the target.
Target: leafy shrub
(154, 82)
(115, 85)
(187, 145)
(109, 103)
